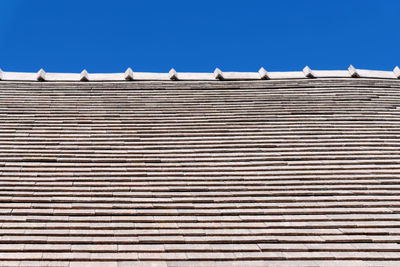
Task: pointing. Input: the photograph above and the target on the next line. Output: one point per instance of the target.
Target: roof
(262, 74)
(290, 172)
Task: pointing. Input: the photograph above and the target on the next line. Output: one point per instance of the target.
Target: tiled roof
(262, 74)
(292, 172)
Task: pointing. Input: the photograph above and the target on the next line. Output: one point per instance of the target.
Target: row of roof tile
(130, 75)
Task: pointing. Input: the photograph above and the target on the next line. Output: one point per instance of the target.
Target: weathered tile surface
(257, 173)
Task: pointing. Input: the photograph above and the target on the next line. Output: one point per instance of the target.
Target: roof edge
(172, 75)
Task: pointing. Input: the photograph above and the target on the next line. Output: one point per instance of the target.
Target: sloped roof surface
(243, 173)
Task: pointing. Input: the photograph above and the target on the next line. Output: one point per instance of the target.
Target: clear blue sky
(197, 36)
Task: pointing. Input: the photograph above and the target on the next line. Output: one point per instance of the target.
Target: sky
(198, 36)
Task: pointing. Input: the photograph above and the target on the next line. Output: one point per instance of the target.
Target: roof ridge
(129, 75)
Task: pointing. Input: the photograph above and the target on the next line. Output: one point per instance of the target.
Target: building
(213, 169)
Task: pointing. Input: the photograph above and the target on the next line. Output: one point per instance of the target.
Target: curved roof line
(172, 75)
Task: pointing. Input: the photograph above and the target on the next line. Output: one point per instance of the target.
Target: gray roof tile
(276, 171)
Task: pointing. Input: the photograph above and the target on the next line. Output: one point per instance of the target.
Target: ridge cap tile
(172, 75)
